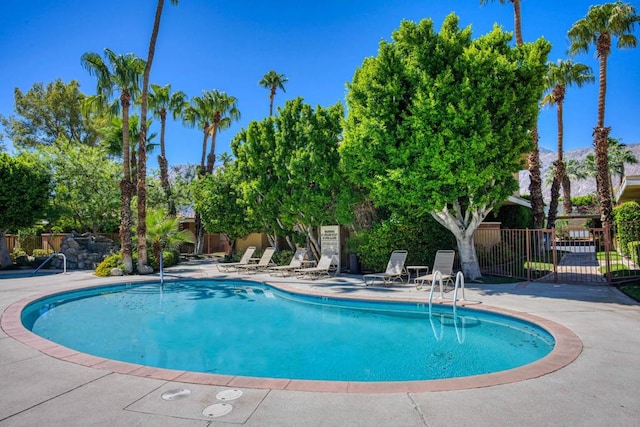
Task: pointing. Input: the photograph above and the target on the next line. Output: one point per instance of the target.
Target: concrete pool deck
(600, 387)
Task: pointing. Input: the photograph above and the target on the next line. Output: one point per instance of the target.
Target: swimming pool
(251, 329)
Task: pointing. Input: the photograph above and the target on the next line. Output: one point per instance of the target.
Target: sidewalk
(599, 388)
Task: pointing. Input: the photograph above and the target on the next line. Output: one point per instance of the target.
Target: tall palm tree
(617, 155)
(273, 81)
(535, 175)
(601, 24)
(143, 268)
(119, 73)
(112, 140)
(559, 76)
(225, 112)
(161, 102)
(198, 114)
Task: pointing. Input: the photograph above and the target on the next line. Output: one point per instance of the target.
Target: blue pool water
(250, 329)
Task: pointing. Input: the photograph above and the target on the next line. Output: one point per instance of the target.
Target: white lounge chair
(444, 264)
(263, 264)
(320, 270)
(395, 270)
(294, 264)
(226, 267)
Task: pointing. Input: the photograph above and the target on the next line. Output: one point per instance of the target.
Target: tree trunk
(143, 268)
(517, 22)
(211, 158)
(126, 190)
(463, 227)
(535, 184)
(601, 142)
(199, 234)
(566, 195)
(553, 205)
(5, 259)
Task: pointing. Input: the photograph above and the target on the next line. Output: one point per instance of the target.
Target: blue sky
(229, 46)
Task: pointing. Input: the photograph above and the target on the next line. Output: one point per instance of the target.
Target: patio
(599, 388)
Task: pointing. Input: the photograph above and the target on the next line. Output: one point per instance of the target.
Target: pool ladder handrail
(437, 275)
(64, 262)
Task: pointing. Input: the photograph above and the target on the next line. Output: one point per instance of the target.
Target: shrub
(42, 252)
(633, 249)
(627, 218)
(512, 216)
(110, 261)
(421, 237)
(169, 259)
(283, 257)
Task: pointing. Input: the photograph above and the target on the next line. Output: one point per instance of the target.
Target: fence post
(607, 248)
(527, 242)
(554, 252)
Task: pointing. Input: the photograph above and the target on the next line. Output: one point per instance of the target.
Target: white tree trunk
(463, 226)
(5, 259)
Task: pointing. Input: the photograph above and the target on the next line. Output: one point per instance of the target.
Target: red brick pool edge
(567, 348)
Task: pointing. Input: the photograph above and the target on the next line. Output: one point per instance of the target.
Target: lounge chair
(320, 270)
(444, 264)
(294, 264)
(264, 263)
(395, 270)
(226, 267)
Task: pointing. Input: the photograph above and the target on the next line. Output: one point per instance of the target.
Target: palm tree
(617, 156)
(163, 232)
(599, 27)
(112, 140)
(162, 101)
(535, 176)
(559, 76)
(143, 268)
(119, 73)
(198, 114)
(225, 112)
(273, 81)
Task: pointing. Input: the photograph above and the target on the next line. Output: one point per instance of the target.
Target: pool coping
(567, 348)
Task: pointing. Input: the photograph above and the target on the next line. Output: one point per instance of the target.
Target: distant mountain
(581, 187)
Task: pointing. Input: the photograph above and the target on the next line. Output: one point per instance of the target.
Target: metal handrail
(64, 262)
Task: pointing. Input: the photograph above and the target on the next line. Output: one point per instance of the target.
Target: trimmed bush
(627, 217)
(111, 261)
(634, 251)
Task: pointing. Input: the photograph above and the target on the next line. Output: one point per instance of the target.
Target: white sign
(330, 240)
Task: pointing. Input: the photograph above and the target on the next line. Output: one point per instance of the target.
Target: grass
(613, 256)
(633, 290)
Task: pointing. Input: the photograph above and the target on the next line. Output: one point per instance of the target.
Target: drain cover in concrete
(231, 394)
(217, 410)
(176, 393)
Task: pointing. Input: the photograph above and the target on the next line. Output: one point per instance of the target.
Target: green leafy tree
(162, 102)
(273, 81)
(119, 73)
(47, 114)
(599, 27)
(559, 76)
(85, 184)
(141, 184)
(438, 124)
(24, 196)
(290, 168)
(218, 197)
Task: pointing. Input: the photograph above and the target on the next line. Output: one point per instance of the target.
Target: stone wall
(84, 251)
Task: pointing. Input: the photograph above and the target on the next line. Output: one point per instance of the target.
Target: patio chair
(226, 267)
(395, 270)
(294, 264)
(444, 264)
(320, 270)
(263, 264)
